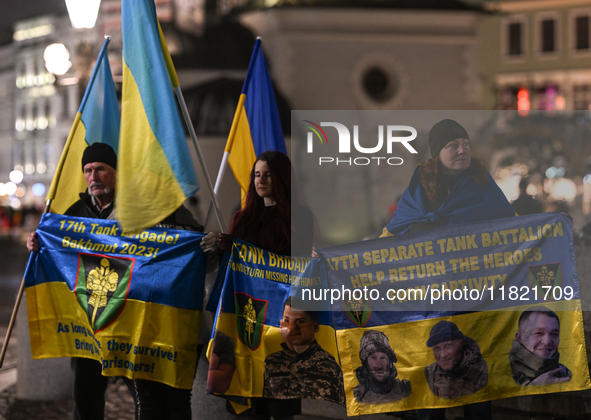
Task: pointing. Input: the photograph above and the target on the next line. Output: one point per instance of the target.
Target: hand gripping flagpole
(179, 94)
(52, 191)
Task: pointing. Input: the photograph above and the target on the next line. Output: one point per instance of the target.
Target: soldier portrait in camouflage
(377, 374)
(534, 355)
(459, 367)
(302, 369)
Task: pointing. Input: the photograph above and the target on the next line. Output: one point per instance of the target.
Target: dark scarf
(526, 366)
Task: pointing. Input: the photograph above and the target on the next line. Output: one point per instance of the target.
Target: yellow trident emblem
(250, 316)
(100, 281)
(545, 277)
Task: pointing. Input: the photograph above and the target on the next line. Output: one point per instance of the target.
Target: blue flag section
(457, 315)
(131, 302)
(265, 344)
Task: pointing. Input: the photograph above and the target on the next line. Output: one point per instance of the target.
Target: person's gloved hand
(224, 241)
(208, 243)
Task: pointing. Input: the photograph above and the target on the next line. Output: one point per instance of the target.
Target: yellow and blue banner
(253, 352)
(131, 302)
(97, 121)
(489, 288)
(154, 159)
(256, 127)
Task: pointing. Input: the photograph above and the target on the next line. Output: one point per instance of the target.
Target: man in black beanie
(99, 165)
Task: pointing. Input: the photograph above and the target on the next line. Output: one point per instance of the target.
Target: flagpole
(53, 189)
(191, 129)
(174, 80)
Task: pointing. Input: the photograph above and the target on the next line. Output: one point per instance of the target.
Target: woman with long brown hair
(276, 219)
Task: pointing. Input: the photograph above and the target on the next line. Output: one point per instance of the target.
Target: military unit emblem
(101, 287)
(250, 319)
(358, 311)
(545, 275)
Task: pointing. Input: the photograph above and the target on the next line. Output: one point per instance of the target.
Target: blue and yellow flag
(446, 306)
(155, 172)
(254, 352)
(97, 121)
(256, 127)
(132, 303)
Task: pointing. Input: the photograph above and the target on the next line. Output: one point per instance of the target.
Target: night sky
(14, 10)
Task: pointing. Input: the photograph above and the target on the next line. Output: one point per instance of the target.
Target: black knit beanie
(99, 152)
(442, 133)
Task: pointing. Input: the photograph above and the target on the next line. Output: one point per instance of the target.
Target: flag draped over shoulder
(256, 127)
(133, 303)
(97, 121)
(155, 172)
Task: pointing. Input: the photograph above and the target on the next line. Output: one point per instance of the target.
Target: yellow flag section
(136, 351)
(97, 121)
(248, 378)
(155, 172)
(488, 379)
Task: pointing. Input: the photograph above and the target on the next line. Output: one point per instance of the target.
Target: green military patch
(101, 287)
(544, 278)
(250, 319)
(358, 311)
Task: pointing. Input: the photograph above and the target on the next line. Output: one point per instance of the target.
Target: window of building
(548, 34)
(582, 96)
(514, 37)
(580, 30)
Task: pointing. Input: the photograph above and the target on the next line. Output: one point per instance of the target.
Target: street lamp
(83, 13)
(57, 59)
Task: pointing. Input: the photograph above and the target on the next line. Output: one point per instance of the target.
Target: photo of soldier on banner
(267, 343)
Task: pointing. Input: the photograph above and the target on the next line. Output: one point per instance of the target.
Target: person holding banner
(450, 188)
(266, 221)
(534, 354)
(99, 165)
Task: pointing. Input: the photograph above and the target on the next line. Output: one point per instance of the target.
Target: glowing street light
(57, 59)
(83, 13)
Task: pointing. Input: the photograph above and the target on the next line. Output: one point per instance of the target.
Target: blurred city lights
(15, 203)
(57, 59)
(551, 172)
(16, 177)
(20, 192)
(10, 188)
(38, 189)
(83, 13)
(587, 179)
(563, 189)
(523, 101)
(2, 189)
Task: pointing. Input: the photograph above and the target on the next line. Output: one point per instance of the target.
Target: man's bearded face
(540, 334)
(379, 366)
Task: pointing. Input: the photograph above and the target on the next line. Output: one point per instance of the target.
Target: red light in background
(523, 102)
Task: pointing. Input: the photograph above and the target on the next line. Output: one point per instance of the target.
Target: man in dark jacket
(99, 165)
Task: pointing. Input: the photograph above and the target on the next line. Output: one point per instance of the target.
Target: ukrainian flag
(256, 127)
(155, 172)
(97, 121)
